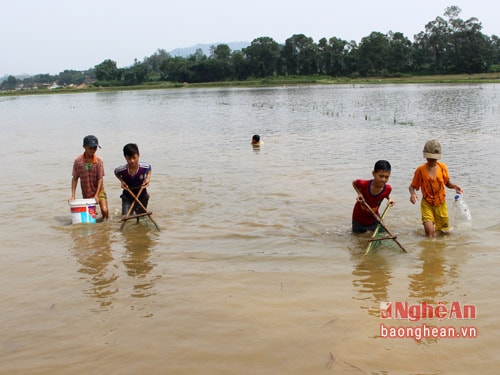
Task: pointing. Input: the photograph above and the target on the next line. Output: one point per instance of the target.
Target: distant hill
(20, 76)
(185, 52)
(182, 52)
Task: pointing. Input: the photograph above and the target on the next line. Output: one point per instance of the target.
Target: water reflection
(429, 283)
(91, 247)
(372, 277)
(139, 240)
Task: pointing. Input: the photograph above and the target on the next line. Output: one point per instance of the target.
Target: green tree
(107, 71)
(241, 66)
(373, 54)
(46, 79)
(263, 56)
(136, 74)
(455, 45)
(38, 80)
(197, 67)
(155, 60)
(351, 59)
(300, 54)
(175, 69)
(470, 51)
(10, 83)
(69, 77)
(219, 63)
(436, 40)
(399, 53)
(331, 56)
(495, 46)
(220, 52)
(422, 55)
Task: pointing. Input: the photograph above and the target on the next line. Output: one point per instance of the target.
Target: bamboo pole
(380, 221)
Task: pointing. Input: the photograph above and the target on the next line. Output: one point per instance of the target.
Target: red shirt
(360, 213)
(89, 175)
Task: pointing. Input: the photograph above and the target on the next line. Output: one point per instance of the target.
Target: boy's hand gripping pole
(136, 199)
(379, 220)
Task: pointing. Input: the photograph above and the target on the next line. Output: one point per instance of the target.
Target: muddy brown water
(255, 270)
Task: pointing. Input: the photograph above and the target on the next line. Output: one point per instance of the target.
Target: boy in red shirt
(373, 191)
(89, 168)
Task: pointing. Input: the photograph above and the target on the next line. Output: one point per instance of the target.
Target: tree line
(448, 45)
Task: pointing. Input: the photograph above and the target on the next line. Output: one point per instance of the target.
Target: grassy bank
(278, 81)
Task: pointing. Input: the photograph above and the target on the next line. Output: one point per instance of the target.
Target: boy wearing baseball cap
(432, 177)
(89, 168)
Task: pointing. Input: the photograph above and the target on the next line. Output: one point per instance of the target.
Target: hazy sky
(49, 36)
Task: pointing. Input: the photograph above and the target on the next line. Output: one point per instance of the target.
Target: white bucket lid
(82, 202)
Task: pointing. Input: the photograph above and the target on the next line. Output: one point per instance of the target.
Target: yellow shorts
(437, 215)
(102, 195)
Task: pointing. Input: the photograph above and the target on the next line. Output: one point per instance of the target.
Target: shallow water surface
(255, 270)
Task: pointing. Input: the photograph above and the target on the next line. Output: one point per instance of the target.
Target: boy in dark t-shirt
(134, 175)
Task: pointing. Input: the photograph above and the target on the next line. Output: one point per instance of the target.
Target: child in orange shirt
(432, 177)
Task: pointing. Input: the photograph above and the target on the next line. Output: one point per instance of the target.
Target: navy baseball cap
(91, 141)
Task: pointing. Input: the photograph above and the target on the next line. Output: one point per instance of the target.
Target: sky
(50, 36)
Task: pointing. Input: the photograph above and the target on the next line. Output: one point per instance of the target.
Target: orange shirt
(433, 189)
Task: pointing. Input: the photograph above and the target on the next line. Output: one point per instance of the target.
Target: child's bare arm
(146, 180)
(391, 201)
(74, 182)
(413, 194)
(451, 185)
(122, 183)
(360, 197)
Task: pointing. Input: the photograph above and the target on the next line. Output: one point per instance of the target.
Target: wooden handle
(136, 199)
(379, 220)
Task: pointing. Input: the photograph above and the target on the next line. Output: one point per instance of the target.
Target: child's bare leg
(104, 208)
(429, 228)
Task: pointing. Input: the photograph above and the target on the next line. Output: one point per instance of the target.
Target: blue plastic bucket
(83, 211)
